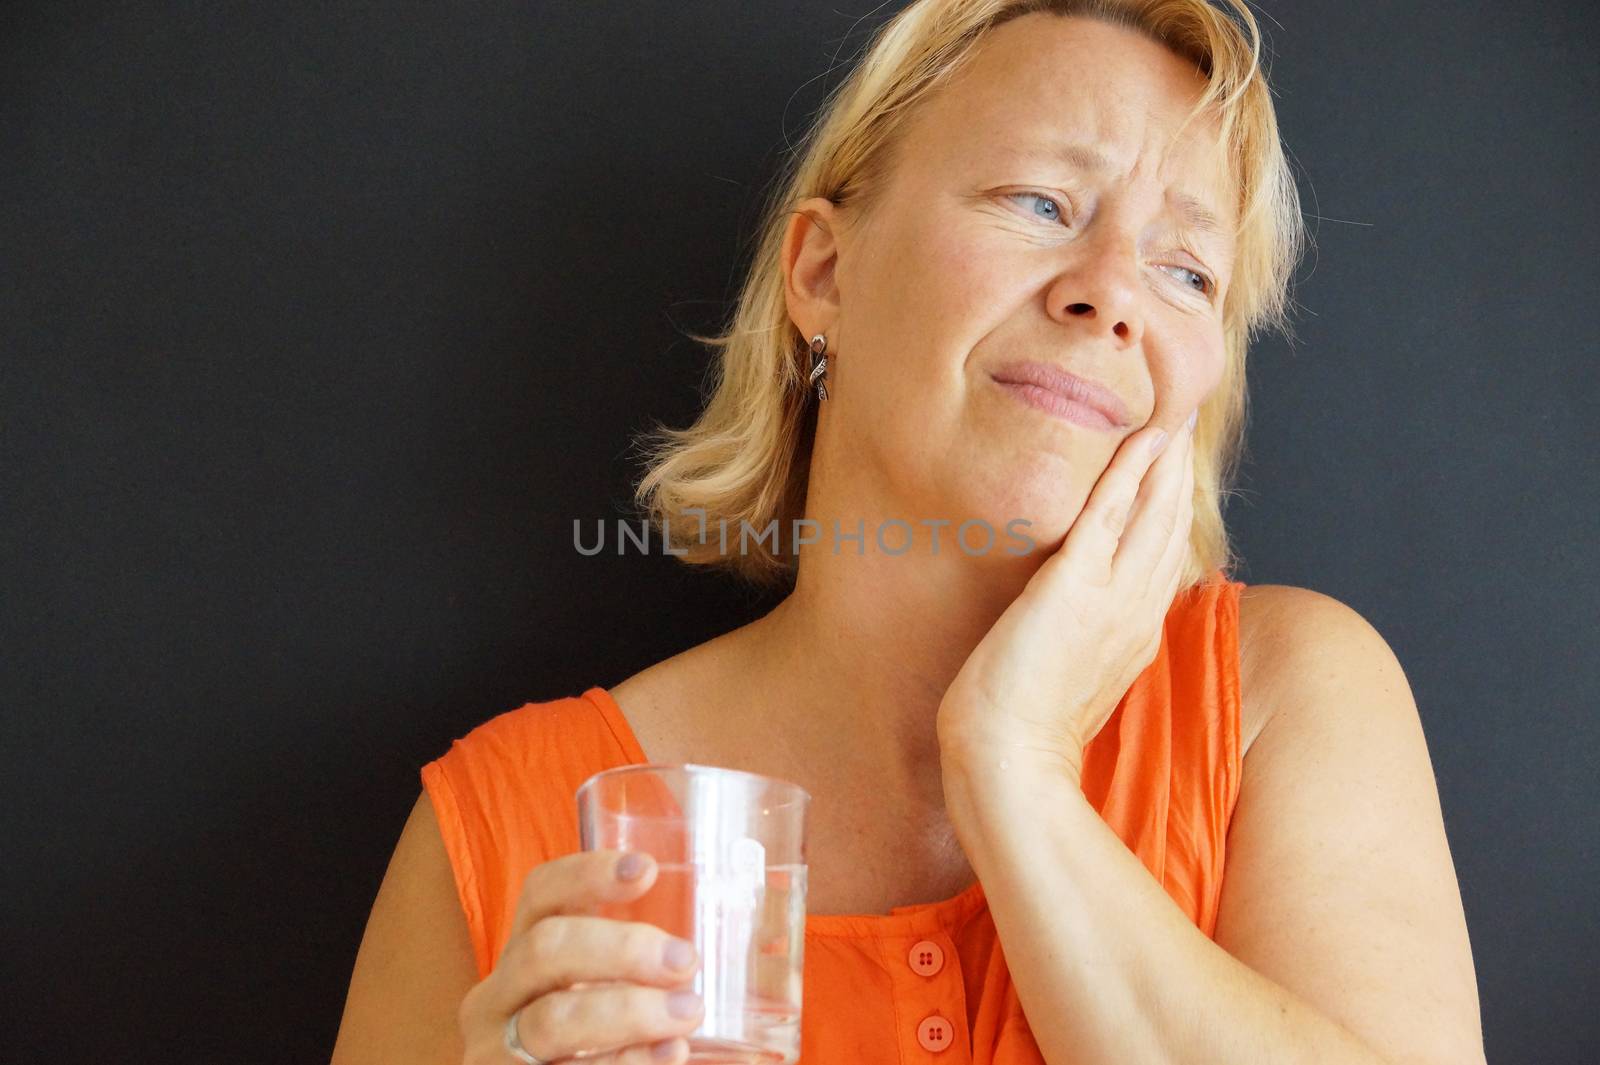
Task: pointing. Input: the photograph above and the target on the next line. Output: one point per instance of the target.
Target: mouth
(1063, 394)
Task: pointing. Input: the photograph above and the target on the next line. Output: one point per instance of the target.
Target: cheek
(927, 300)
(947, 286)
(900, 358)
(1188, 369)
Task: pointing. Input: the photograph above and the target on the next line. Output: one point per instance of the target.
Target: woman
(1115, 805)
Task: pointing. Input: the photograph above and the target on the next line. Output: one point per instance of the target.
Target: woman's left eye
(1206, 284)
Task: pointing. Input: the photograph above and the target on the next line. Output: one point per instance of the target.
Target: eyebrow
(1079, 155)
(1198, 216)
(1195, 214)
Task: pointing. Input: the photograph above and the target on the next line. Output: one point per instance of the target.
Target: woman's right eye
(1042, 199)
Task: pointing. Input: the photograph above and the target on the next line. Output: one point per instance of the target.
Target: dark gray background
(322, 322)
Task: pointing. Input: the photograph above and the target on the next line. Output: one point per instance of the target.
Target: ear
(810, 254)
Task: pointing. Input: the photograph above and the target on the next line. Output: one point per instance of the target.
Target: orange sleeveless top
(878, 989)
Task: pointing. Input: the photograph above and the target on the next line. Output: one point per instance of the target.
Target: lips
(1067, 385)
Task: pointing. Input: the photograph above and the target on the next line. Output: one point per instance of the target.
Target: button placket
(932, 999)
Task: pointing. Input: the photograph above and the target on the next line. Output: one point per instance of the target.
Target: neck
(858, 657)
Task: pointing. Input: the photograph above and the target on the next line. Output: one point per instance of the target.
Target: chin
(1046, 488)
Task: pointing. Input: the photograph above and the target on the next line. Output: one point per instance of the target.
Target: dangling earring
(819, 365)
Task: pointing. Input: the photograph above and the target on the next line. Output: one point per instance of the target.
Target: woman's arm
(1341, 936)
(415, 963)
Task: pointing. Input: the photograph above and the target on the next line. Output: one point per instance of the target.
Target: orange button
(926, 957)
(934, 1033)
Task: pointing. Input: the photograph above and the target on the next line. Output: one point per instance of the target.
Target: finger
(563, 950)
(1092, 541)
(1170, 570)
(605, 1019)
(1162, 586)
(676, 1050)
(1163, 581)
(578, 883)
(1146, 488)
(1145, 540)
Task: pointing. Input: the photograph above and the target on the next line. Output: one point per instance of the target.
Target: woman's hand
(1048, 675)
(577, 982)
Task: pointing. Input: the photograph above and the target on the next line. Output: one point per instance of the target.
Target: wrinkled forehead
(1066, 108)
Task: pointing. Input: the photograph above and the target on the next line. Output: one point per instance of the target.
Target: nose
(1100, 289)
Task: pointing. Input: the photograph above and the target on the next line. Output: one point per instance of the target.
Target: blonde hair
(747, 457)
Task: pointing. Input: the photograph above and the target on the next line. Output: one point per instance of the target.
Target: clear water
(749, 928)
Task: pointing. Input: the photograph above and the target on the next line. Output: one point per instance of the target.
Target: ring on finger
(514, 1045)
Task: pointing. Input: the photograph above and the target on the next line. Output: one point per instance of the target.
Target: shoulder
(1293, 639)
(521, 728)
(1280, 619)
(1339, 882)
(668, 704)
(557, 741)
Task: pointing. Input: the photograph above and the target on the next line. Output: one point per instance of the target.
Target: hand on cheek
(1047, 676)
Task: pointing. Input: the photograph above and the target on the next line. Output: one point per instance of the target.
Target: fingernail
(632, 866)
(1194, 416)
(664, 1050)
(683, 1003)
(678, 954)
(1158, 443)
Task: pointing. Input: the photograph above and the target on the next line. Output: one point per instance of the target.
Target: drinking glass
(731, 879)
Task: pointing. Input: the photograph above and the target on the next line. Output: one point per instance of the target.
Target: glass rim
(797, 795)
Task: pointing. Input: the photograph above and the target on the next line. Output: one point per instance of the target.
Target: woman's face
(988, 246)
